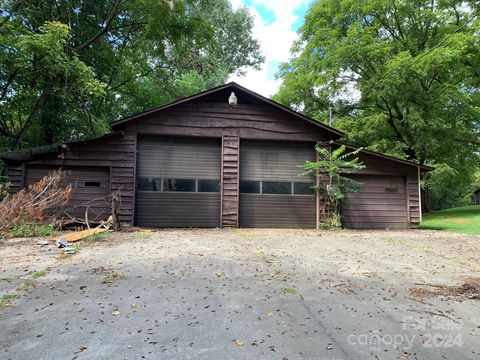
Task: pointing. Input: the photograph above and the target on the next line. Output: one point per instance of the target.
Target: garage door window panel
(208, 186)
(250, 187)
(276, 187)
(180, 185)
(149, 184)
(300, 188)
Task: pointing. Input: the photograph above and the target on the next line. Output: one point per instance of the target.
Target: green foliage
(98, 237)
(333, 167)
(332, 222)
(39, 274)
(68, 253)
(402, 77)
(38, 67)
(142, 235)
(448, 187)
(67, 70)
(30, 230)
(6, 300)
(462, 219)
(289, 290)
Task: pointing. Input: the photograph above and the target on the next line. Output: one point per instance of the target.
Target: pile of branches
(36, 202)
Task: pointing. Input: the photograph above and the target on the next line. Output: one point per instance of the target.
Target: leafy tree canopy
(401, 76)
(68, 67)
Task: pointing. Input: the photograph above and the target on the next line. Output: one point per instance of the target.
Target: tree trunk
(39, 105)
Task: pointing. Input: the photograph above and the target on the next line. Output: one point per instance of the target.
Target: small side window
(391, 190)
(92, 183)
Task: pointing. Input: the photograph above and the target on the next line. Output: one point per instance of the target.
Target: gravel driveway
(244, 294)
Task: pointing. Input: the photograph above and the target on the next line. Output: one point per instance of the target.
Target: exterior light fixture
(232, 100)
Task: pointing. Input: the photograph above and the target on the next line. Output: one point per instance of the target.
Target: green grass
(96, 237)
(66, 255)
(289, 290)
(36, 275)
(142, 235)
(29, 230)
(6, 300)
(464, 220)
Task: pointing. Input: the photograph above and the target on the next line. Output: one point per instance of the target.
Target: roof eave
(423, 168)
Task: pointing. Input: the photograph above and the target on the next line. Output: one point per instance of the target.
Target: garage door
(91, 187)
(178, 182)
(381, 203)
(272, 194)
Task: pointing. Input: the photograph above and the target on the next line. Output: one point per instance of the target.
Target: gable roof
(233, 87)
(378, 154)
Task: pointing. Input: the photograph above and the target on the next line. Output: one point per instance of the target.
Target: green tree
(333, 167)
(67, 68)
(402, 77)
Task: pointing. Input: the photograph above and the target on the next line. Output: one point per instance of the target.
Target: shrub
(333, 167)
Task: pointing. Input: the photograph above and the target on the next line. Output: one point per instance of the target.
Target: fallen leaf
(238, 342)
(270, 314)
(133, 306)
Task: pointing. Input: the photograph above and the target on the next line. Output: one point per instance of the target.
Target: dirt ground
(243, 294)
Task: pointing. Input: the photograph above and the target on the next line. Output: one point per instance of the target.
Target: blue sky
(276, 25)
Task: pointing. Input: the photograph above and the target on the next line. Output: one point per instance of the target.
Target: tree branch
(106, 28)
(15, 7)
(39, 104)
(9, 82)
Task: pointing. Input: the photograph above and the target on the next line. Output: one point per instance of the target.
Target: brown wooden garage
(201, 162)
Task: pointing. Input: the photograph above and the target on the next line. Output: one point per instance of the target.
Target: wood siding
(85, 199)
(16, 177)
(116, 153)
(384, 167)
(230, 181)
(248, 121)
(380, 203)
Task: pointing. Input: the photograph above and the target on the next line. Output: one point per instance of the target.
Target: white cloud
(276, 39)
